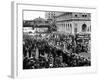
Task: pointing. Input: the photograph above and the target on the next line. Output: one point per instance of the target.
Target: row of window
(69, 17)
(69, 25)
(82, 15)
(65, 26)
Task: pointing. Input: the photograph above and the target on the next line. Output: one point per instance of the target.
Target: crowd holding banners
(50, 53)
(82, 42)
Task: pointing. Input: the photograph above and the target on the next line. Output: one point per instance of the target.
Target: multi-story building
(50, 15)
(73, 22)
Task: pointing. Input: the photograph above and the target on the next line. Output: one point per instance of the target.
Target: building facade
(52, 14)
(72, 22)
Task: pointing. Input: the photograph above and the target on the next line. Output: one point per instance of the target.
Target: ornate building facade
(72, 22)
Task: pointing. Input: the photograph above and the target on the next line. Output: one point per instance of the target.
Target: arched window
(84, 27)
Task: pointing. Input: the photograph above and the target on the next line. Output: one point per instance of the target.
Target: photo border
(17, 67)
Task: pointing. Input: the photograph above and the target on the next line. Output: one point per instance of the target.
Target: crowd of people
(52, 52)
(71, 43)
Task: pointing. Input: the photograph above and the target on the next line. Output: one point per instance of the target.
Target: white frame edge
(14, 36)
(13, 40)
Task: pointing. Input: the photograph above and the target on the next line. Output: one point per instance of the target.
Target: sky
(30, 15)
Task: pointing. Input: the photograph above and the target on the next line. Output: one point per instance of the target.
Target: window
(84, 27)
(75, 15)
(82, 15)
